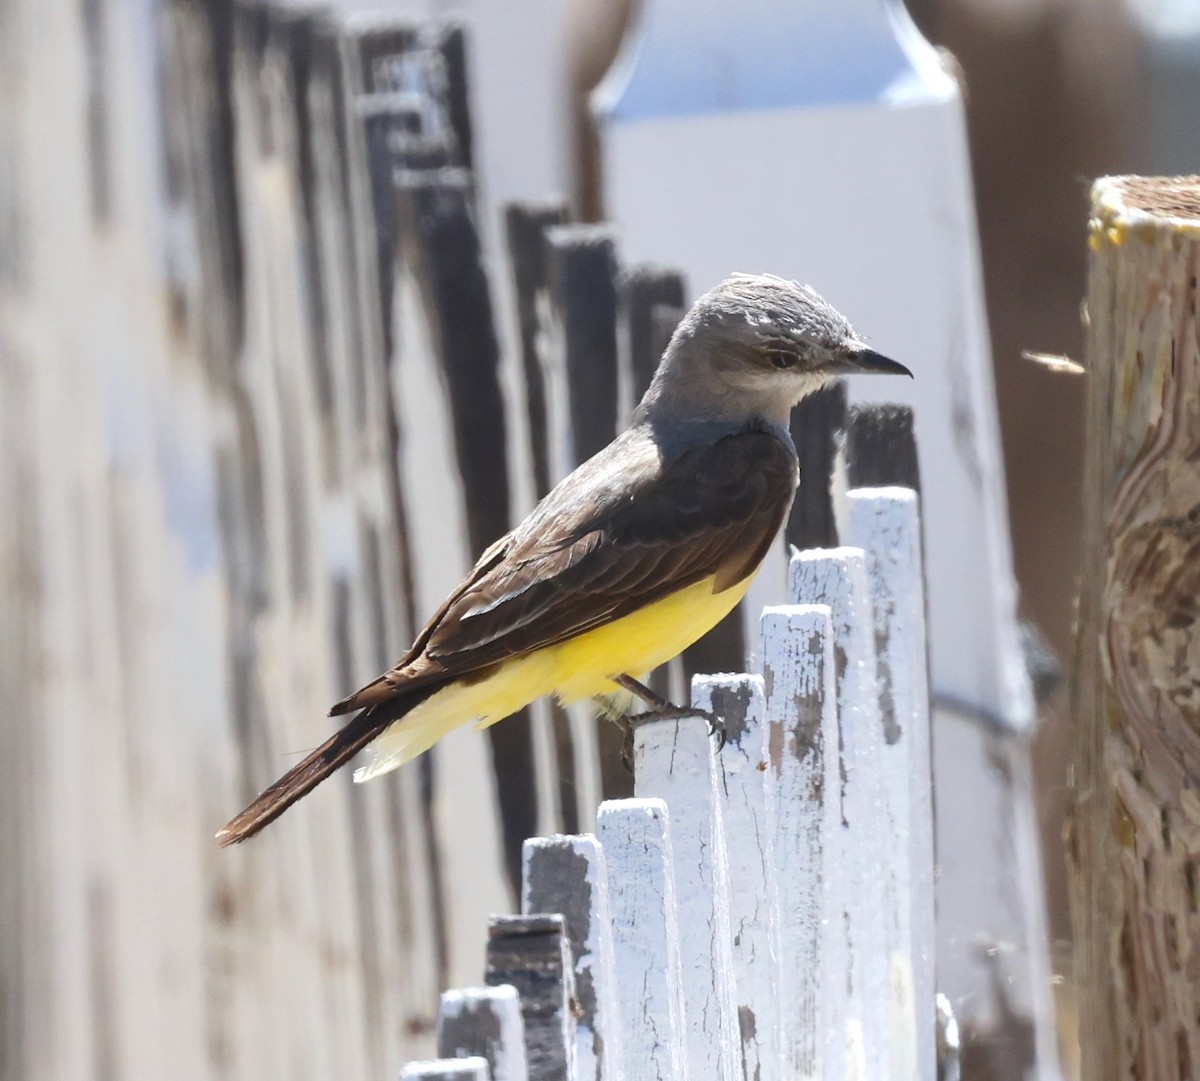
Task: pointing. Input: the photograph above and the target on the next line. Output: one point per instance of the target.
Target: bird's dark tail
(335, 752)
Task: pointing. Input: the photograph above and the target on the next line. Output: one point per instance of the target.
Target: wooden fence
(761, 909)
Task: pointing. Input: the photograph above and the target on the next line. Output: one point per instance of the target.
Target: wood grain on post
(1135, 830)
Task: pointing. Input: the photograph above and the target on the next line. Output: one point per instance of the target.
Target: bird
(628, 560)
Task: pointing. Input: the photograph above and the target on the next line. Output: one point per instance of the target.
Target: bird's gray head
(754, 346)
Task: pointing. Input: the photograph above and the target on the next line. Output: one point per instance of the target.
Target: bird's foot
(716, 726)
(661, 709)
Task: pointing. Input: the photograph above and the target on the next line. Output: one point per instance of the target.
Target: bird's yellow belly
(640, 641)
(580, 667)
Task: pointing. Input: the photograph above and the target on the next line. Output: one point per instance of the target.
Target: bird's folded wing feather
(611, 542)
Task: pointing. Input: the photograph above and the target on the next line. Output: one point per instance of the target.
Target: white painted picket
(763, 910)
(675, 763)
(883, 523)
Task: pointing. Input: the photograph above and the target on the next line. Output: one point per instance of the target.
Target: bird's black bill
(868, 362)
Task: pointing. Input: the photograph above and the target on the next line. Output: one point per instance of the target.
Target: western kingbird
(631, 558)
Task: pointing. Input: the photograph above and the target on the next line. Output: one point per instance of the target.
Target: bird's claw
(716, 726)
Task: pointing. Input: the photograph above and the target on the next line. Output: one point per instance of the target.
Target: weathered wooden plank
(392, 123)
(451, 43)
(203, 252)
(884, 523)
(439, 228)
(817, 426)
(746, 799)
(582, 273)
(810, 869)
(837, 577)
(484, 1022)
(437, 209)
(525, 227)
(568, 875)
(532, 954)
(376, 45)
(881, 447)
(648, 298)
(448, 1069)
(635, 834)
(673, 761)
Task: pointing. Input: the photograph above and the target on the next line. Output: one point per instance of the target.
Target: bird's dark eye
(780, 359)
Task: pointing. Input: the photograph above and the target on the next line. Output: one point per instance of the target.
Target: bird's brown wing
(622, 532)
(712, 510)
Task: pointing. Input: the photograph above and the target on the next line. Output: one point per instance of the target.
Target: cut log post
(484, 1022)
(838, 578)
(532, 954)
(636, 837)
(1135, 832)
(885, 524)
(805, 766)
(673, 761)
(568, 875)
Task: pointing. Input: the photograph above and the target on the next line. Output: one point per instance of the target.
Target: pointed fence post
(636, 837)
(673, 760)
(837, 577)
(810, 871)
(746, 799)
